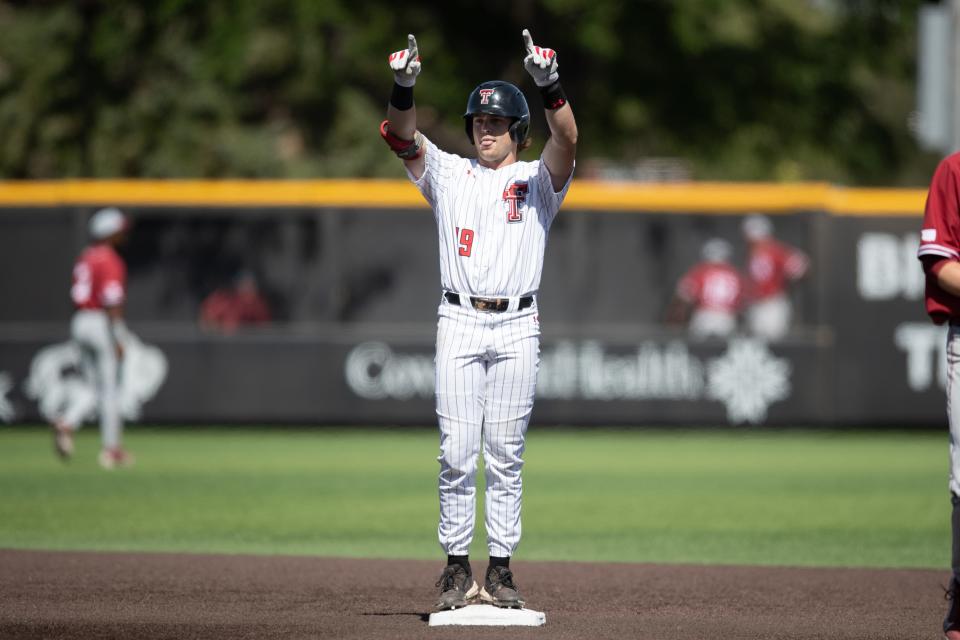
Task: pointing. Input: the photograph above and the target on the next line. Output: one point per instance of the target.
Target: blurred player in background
(771, 267)
(98, 328)
(940, 255)
(241, 304)
(493, 215)
(708, 297)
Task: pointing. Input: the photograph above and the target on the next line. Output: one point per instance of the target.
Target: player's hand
(540, 63)
(406, 63)
(121, 351)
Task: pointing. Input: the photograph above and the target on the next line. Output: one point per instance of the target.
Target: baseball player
(711, 292)
(493, 214)
(771, 266)
(939, 253)
(98, 293)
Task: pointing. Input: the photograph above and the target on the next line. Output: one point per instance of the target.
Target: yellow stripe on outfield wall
(228, 193)
(700, 197)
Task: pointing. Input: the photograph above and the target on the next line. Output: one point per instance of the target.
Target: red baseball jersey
(940, 236)
(714, 286)
(771, 265)
(99, 278)
(230, 310)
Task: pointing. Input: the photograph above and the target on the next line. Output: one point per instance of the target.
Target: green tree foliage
(733, 89)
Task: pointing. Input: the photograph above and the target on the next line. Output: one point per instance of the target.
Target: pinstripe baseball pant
(486, 378)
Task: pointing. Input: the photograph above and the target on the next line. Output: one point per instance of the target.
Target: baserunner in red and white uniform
(709, 295)
(98, 292)
(939, 253)
(493, 213)
(771, 267)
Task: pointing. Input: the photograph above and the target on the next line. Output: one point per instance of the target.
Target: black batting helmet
(499, 98)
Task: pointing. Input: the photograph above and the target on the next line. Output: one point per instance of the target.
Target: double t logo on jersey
(515, 196)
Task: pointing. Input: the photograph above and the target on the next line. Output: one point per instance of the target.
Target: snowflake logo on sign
(748, 379)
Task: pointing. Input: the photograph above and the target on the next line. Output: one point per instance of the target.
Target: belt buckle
(490, 304)
(482, 304)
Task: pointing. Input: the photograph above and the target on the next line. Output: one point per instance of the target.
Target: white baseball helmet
(716, 250)
(106, 222)
(757, 227)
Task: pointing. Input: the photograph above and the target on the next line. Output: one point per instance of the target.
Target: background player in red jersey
(241, 304)
(710, 293)
(940, 255)
(98, 293)
(771, 267)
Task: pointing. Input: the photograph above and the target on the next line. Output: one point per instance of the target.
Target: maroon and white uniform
(99, 283)
(715, 291)
(940, 244)
(492, 227)
(939, 247)
(771, 267)
(99, 279)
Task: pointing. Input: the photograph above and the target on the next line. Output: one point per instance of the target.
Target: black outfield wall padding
(353, 288)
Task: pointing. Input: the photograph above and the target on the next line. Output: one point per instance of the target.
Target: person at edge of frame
(939, 253)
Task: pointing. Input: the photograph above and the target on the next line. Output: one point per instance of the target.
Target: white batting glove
(406, 63)
(540, 63)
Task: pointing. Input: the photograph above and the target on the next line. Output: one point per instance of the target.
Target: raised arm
(561, 149)
(399, 130)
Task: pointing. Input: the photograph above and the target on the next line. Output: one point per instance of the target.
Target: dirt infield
(113, 595)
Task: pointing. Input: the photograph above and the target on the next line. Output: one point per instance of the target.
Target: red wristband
(405, 149)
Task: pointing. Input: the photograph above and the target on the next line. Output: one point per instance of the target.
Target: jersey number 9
(466, 242)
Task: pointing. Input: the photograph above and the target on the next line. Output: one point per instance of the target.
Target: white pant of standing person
(90, 329)
(770, 318)
(707, 323)
(953, 417)
(486, 377)
(953, 405)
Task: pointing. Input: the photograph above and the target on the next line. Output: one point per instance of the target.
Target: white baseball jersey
(492, 227)
(497, 219)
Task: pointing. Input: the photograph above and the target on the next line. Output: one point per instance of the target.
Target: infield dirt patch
(119, 595)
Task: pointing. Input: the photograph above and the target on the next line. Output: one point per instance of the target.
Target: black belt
(497, 305)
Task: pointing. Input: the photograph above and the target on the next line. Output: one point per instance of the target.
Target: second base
(488, 615)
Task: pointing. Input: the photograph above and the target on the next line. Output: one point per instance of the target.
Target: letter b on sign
(887, 267)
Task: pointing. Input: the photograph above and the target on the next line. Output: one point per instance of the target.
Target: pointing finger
(527, 40)
(412, 46)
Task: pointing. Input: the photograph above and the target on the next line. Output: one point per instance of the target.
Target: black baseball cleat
(456, 586)
(951, 623)
(499, 589)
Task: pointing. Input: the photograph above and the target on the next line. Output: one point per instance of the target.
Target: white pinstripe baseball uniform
(492, 229)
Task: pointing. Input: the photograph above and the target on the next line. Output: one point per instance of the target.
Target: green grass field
(678, 496)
